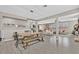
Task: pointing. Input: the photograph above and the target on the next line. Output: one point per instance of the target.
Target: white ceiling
(39, 10)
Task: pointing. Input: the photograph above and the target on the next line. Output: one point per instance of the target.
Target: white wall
(69, 23)
(7, 31)
(47, 21)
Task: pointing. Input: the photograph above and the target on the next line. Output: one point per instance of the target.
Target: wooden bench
(32, 38)
(27, 38)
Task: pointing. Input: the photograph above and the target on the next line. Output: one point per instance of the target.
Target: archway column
(1, 27)
(36, 23)
(57, 28)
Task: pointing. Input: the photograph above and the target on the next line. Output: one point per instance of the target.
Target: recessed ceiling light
(45, 6)
(31, 11)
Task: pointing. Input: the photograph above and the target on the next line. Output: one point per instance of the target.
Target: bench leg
(38, 39)
(42, 39)
(25, 45)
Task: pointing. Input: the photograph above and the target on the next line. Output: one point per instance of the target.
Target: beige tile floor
(64, 45)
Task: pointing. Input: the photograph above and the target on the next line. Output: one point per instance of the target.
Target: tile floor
(64, 45)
